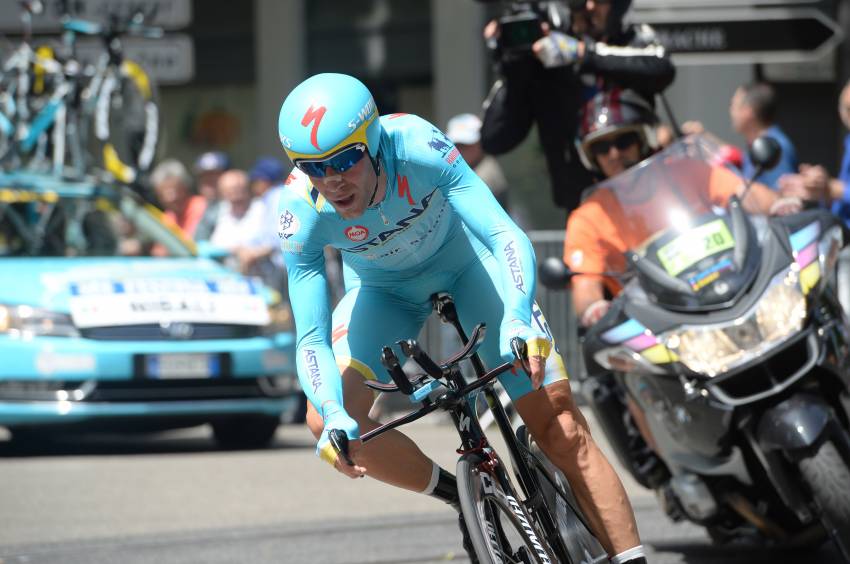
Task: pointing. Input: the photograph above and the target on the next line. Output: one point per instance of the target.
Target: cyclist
(410, 218)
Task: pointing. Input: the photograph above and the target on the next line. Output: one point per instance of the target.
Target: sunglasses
(622, 142)
(340, 161)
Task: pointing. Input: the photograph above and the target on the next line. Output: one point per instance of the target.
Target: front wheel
(578, 541)
(498, 526)
(828, 478)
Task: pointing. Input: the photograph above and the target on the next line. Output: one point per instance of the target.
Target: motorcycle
(720, 373)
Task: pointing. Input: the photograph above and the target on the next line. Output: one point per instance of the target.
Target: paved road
(174, 499)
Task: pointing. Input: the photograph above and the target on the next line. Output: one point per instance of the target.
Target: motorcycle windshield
(688, 240)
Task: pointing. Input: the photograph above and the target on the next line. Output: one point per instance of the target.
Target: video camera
(521, 23)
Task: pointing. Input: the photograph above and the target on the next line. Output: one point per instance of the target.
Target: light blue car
(94, 334)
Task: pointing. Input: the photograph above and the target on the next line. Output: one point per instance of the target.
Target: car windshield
(671, 190)
(86, 222)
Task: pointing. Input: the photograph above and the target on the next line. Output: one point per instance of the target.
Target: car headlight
(23, 321)
(280, 319)
(715, 349)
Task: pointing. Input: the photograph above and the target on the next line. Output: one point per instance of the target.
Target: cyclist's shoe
(467, 542)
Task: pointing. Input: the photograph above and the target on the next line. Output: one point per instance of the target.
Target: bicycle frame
(459, 399)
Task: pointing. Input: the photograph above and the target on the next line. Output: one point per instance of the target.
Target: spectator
(266, 173)
(464, 130)
(240, 225)
(814, 183)
(208, 168)
(173, 188)
(267, 177)
(753, 114)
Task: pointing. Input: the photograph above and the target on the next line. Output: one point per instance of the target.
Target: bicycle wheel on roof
(126, 122)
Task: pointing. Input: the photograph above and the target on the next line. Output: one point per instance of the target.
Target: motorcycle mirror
(554, 274)
(764, 153)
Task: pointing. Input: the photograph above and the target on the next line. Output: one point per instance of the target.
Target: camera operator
(553, 56)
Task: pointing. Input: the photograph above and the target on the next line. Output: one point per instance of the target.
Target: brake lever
(520, 350)
(390, 362)
(339, 440)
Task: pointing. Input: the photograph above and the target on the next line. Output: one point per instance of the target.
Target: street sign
(703, 4)
(744, 35)
(168, 14)
(169, 60)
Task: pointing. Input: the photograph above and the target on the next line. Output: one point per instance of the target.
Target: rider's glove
(538, 342)
(595, 312)
(557, 49)
(339, 420)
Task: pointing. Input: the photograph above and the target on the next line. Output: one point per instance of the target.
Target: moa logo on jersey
(439, 142)
(356, 233)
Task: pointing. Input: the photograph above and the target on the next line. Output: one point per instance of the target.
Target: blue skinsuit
(437, 229)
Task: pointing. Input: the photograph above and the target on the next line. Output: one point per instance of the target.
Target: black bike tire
(579, 541)
(116, 157)
(475, 501)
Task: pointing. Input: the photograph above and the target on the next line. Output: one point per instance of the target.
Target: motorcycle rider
(618, 131)
(594, 50)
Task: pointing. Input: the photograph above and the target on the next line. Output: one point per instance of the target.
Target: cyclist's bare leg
(561, 431)
(393, 458)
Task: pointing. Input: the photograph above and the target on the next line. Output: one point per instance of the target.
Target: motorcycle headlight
(24, 322)
(715, 349)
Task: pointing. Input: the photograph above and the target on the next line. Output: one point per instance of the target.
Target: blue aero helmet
(330, 121)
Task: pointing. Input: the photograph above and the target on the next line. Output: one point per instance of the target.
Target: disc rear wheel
(579, 542)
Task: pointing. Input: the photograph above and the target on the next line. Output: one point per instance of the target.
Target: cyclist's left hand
(538, 348)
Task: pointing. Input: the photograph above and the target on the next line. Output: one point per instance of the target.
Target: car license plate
(196, 365)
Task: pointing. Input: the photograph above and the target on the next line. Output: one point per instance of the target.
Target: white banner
(109, 303)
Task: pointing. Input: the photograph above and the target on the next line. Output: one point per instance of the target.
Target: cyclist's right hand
(325, 450)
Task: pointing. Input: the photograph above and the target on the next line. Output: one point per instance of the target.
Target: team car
(95, 333)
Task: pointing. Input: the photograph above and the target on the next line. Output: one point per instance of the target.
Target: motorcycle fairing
(703, 268)
(634, 347)
(804, 245)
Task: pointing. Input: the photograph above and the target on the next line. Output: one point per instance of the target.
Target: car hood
(121, 291)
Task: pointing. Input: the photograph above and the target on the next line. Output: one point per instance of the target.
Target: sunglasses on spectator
(622, 142)
(339, 162)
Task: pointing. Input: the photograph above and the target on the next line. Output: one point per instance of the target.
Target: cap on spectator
(464, 129)
(269, 169)
(212, 160)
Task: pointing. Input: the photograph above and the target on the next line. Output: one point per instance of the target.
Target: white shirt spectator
(249, 230)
